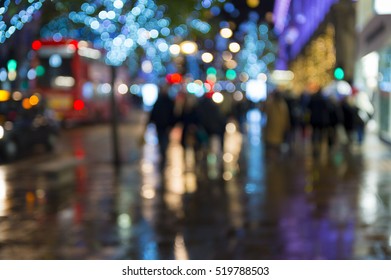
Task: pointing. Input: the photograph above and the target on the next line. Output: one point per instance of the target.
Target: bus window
(57, 72)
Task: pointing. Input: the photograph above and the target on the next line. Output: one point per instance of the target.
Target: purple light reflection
(281, 9)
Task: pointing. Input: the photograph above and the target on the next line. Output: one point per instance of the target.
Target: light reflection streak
(174, 203)
(124, 221)
(369, 202)
(369, 207)
(255, 166)
(3, 193)
(180, 251)
(255, 185)
(232, 148)
(191, 182)
(372, 179)
(175, 181)
(148, 193)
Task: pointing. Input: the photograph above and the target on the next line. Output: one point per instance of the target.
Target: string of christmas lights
(11, 23)
(258, 51)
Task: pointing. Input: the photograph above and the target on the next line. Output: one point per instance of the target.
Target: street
(240, 205)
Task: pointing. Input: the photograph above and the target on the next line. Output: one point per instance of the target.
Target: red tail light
(36, 45)
(74, 43)
(78, 105)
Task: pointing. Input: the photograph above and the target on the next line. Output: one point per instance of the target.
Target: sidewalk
(289, 207)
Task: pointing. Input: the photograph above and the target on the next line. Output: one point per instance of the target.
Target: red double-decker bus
(75, 82)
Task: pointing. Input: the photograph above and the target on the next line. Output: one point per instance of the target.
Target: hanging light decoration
(18, 20)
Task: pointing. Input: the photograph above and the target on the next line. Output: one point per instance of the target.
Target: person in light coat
(277, 123)
(365, 111)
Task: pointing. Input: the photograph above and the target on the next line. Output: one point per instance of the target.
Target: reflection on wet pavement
(230, 203)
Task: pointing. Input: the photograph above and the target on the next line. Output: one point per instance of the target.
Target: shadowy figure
(211, 118)
(190, 123)
(295, 114)
(350, 117)
(304, 99)
(319, 108)
(277, 124)
(162, 116)
(336, 121)
(365, 111)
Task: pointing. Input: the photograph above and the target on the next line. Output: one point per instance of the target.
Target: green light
(40, 70)
(11, 65)
(230, 74)
(339, 74)
(211, 71)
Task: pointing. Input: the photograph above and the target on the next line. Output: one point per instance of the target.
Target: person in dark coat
(162, 116)
(336, 119)
(190, 122)
(350, 117)
(211, 118)
(294, 109)
(319, 109)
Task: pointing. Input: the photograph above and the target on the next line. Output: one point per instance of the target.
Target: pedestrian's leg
(163, 138)
(316, 141)
(360, 134)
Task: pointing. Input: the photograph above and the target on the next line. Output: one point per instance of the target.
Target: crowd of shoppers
(200, 120)
(323, 117)
(320, 117)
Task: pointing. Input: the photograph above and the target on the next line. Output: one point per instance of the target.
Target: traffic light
(11, 65)
(40, 70)
(230, 74)
(339, 74)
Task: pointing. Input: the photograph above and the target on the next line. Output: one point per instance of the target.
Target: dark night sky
(264, 7)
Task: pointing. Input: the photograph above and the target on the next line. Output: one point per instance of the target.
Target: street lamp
(175, 49)
(226, 32)
(234, 47)
(207, 57)
(184, 55)
(188, 47)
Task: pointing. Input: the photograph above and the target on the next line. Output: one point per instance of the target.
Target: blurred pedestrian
(190, 122)
(294, 116)
(336, 121)
(365, 111)
(213, 122)
(304, 99)
(319, 110)
(277, 123)
(239, 111)
(211, 118)
(162, 116)
(349, 117)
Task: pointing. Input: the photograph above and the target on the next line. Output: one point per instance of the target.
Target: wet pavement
(240, 203)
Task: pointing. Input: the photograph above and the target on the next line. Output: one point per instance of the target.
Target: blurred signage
(59, 102)
(281, 76)
(89, 53)
(63, 51)
(382, 7)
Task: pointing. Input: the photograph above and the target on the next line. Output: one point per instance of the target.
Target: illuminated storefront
(316, 64)
(373, 67)
(315, 37)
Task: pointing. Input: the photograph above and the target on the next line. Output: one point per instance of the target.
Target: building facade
(315, 37)
(373, 64)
